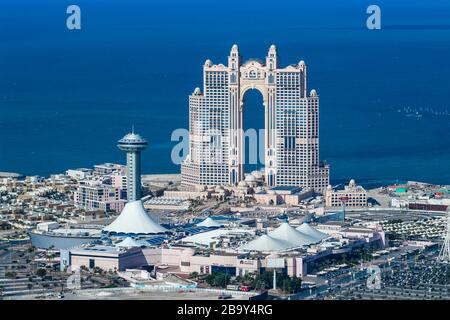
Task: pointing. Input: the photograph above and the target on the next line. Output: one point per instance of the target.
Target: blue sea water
(66, 97)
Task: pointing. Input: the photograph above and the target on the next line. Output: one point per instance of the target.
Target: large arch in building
(291, 140)
(252, 75)
(254, 122)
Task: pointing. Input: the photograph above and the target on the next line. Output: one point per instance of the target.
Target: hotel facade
(291, 135)
(352, 196)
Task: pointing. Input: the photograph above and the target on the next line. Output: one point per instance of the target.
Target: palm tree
(48, 256)
(194, 275)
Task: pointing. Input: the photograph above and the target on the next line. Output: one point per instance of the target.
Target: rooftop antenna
(132, 128)
(444, 254)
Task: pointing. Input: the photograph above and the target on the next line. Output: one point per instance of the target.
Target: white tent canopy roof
(312, 232)
(134, 219)
(209, 222)
(129, 243)
(289, 234)
(266, 243)
(208, 237)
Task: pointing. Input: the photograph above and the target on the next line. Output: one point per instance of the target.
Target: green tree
(194, 275)
(296, 284)
(210, 279)
(221, 280)
(218, 279)
(41, 272)
(263, 280)
(286, 285)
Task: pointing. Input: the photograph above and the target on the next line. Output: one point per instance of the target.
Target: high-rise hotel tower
(291, 136)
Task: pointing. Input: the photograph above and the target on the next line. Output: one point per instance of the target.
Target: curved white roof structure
(209, 223)
(289, 234)
(250, 178)
(134, 219)
(312, 232)
(129, 243)
(282, 238)
(266, 243)
(257, 174)
(242, 184)
(209, 237)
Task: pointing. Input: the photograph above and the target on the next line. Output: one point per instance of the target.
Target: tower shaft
(134, 176)
(133, 144)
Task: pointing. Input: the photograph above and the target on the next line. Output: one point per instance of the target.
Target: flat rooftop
(76, 232)
(98, 249)
(285, 188)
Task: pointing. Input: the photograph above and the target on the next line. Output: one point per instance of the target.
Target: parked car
(246, 288)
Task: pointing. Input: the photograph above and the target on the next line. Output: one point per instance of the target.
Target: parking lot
(26, 271)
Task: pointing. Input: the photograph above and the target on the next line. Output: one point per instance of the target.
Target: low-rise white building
(107, 258)
(79, 174)
(352, 196)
